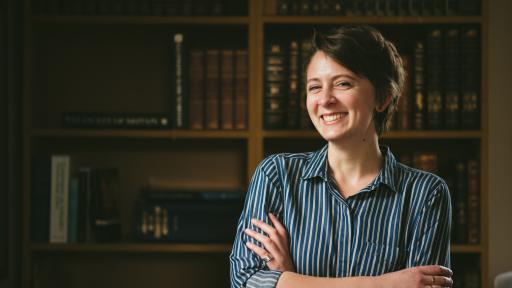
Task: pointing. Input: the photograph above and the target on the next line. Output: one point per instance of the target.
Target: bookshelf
(105, 62)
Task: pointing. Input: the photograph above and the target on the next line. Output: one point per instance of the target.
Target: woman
(348, 215)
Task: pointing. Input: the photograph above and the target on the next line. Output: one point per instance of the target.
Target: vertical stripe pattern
(402, 219)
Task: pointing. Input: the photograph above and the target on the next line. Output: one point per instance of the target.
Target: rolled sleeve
(263, 196)
(431, 235)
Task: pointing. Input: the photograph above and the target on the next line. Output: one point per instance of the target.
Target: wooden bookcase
(59, 75)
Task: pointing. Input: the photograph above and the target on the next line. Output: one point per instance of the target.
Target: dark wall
(10, 142)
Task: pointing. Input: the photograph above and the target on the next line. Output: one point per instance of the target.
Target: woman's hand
(276, 252)
(432, 276)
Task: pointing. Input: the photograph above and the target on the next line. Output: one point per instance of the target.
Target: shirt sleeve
(263, 196)
(430, 243)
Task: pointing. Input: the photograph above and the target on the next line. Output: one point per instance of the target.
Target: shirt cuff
(264, 279)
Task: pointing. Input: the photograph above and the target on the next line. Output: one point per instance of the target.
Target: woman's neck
(354, 164)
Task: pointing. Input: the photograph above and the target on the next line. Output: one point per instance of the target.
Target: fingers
(279, 227)
(257, 249)
(268, 243)
(437, 281)
(436, 270)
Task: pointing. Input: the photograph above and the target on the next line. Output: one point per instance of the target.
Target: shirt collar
(317, 166)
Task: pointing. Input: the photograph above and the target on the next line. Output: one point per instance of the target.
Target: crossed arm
(276, 244)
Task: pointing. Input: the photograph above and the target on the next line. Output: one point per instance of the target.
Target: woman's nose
(326, 97)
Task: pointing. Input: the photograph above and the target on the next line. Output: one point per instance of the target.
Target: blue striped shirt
(401, 219)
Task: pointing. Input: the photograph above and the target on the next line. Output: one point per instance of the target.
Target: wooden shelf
(163, 134)
(137, 20)
(132, 248)
(388, 135)
(372, 19)
(172, 248)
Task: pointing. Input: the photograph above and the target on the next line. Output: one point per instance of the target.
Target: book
(227, 105)
(212, 88)
(293, 85)
(473, 199)
(104, 210)
(113, 120)
(460, 207)
(470, 88)
(40, 199)
(74, 194)
(434, 80)
(197, 89)
(282, 7)
(179, 93)
(85, 217)
(419, 86)
(60, 175)
(403, 112)
(241, 88)
(426, 161)
(187, 216)
(452, 80)
(274, 102)
(305, 49)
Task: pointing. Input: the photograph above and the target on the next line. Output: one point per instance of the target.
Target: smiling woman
(349, 214)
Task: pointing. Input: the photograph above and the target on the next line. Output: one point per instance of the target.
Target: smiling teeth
(332, 117)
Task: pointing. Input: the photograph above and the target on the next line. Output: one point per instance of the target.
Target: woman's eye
(313, 88)
(344, 84)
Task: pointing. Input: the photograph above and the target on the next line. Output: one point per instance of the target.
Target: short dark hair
(363, 50)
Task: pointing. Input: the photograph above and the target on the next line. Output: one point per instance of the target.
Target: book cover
(275, 85)
(460, 207)
(227, 104)
(434, 80)
(212, 89)
(179, 101)
(104, 204)
(452, 80)
(85, 217)
(293, 86)
(473, 201)
(470, 82)
(60, 175)
(419, 87)
(305, 49)
(426, 161)
(403, 112)
(197, 89)
(40, 199)
(73, 210)
(114, 120)
(241, 89)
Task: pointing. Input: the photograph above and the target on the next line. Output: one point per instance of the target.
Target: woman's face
(340, 104)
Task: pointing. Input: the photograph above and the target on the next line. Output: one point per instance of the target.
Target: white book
(59, 199)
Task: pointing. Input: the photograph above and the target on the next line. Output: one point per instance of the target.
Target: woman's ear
(384, 104)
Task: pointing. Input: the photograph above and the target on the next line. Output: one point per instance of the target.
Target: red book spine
(196, 76)
(227, 90)
(241, 90)
(212, 88)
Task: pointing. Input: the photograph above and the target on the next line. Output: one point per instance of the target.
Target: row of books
(374, 7)
(442, 90)
(210, 87)
(139, 7)
(170, 215)
(70, 204)
(209, 91)
(463, 179)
